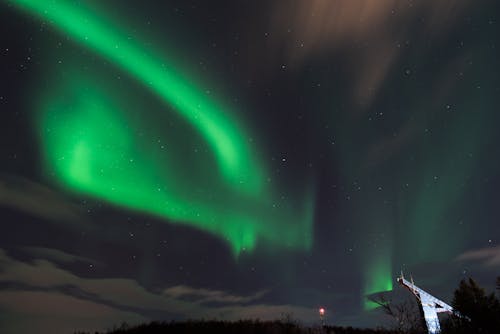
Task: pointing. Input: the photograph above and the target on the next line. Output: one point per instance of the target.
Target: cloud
(56, 255)
(37, 199)
(105, 301)
(306, 27)
(121, 292)
(489, 256)
(207, 296)
(53, 312)
(372, 34)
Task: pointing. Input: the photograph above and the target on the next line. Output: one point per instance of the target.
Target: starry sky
(171, 160)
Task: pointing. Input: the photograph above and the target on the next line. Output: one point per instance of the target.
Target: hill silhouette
(241, 327)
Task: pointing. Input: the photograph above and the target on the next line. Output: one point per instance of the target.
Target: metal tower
(430, 305)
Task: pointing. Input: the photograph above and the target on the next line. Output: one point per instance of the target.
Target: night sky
(171, 160)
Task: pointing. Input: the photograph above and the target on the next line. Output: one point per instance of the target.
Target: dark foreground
(243, 327)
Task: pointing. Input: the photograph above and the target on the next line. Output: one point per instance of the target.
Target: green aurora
(234, 156)
(91, 147)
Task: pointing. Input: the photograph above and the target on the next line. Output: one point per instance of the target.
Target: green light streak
(92, 144)
(226, 139)
(378, 279)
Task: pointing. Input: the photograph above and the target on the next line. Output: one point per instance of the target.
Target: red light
(321, 311)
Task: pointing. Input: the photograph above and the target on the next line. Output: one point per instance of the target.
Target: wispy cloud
(56, 255)
(489, 256)
(366, 28)
(207, 295)
(306, 27)
(38, 200)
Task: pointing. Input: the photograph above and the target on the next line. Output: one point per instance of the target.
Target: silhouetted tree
(407, 315)
(479, 312)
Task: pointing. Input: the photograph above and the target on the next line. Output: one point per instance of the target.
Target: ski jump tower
(430, 305)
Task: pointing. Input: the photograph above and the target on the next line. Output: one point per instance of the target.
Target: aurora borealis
(91, 148)
(231, 159)
(94, 32)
